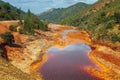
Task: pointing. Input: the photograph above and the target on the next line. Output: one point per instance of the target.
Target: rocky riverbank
(10, 72)
(23, 57)
(107, 60)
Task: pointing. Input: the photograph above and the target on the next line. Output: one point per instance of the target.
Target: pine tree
(28, 24)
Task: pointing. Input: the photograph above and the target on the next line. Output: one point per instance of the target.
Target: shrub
(103, 14)
(8, 38)
(21, 31)
(12, 28)
(110, 25)
(115, 38)
(117, 17)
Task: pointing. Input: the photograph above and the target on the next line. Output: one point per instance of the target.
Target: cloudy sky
(38, 6)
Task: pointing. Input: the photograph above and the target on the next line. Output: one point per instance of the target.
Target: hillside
(55, 15)
(101, 19)
(31, 21)
(16, 27)
(9, 12)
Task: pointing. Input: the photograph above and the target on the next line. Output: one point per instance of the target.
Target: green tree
(6, 7)
(20, 16)
(28, 22)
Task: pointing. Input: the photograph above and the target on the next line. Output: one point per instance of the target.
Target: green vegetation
(51, 17)
(8, 38)
(117, 17)
(28, 20)
(103, 23)
(12, 28)
(8, 12)
(56, 15)
(31, 22)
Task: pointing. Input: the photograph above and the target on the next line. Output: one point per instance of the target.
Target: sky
(39, 6)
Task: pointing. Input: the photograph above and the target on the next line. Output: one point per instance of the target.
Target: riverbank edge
(102, 54)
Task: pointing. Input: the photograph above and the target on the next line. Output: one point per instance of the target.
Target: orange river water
(69, 56)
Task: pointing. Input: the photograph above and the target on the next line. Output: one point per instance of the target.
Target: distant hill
(55, 15)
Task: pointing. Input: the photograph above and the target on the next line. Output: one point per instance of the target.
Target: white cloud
(38, 6)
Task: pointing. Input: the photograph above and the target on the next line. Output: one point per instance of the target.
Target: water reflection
(67, 63)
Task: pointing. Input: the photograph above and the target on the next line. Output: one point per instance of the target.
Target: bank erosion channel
(68, 62)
